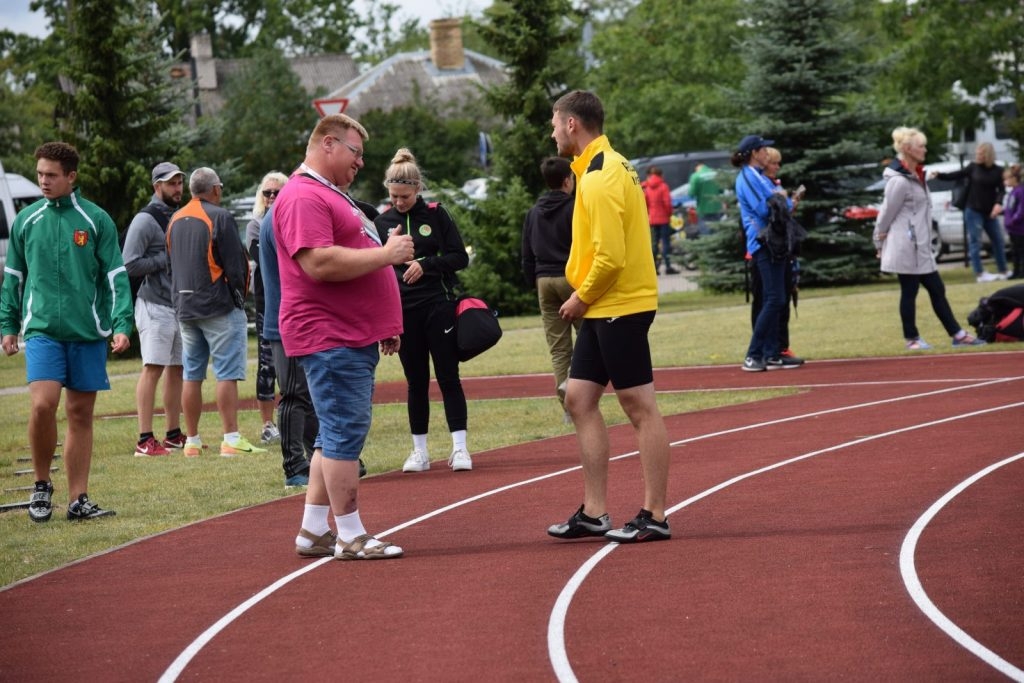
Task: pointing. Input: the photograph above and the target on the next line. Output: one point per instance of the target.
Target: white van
(16, 192)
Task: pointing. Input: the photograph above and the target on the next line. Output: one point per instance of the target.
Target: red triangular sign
(328, 107)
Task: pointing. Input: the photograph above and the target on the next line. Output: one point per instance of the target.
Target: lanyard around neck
(368, 227)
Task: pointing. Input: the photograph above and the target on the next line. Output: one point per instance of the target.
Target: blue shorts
(79, 366)
(341, 386)
(224, 337)
(614, 349)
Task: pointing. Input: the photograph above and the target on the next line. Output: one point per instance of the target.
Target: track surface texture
(867, 527)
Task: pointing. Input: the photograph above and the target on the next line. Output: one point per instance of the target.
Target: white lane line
(193, 649)
(917, 592)
(556, 623)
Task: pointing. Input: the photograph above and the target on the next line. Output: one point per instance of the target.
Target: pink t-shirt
(315, 315)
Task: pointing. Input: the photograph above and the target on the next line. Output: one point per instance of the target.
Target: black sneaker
(83, 508)
(754, 365)
(640, 529)
(580, 525)
(783, 363)
(40, 505)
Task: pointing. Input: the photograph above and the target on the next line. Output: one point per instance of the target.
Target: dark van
(676, 168)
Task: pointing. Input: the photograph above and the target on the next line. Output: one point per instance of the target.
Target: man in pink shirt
(340, 309)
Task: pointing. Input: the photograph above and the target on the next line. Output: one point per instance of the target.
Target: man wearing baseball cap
(145, 258)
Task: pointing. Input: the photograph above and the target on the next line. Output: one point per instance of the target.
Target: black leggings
(932, 282)
(430, 334)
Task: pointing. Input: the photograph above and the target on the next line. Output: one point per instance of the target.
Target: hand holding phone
(798, 193)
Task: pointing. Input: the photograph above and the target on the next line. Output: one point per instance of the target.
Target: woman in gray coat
(903, 239)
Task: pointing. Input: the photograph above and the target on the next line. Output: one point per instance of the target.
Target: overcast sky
(18, 18)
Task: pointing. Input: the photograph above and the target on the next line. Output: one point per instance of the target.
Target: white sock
(960, 335)
(419, 442)
(314, 520)
(459, 440)
(193, 440)
(232, 437)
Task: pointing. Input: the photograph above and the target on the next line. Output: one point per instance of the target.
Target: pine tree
(119, 105)
(536, 39)
(805, 89)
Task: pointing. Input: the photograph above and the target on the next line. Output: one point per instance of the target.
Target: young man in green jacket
(65, 292)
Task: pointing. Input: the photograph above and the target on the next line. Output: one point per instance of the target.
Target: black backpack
(999, 317)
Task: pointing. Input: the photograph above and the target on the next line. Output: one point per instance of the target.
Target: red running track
(865, 528)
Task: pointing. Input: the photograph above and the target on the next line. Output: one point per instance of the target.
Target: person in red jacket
(659, 215)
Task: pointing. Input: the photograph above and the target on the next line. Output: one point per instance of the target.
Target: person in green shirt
(708, 195)
(65, 292)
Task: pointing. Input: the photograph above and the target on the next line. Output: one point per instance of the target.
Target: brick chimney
(202, 60)
(446, 44)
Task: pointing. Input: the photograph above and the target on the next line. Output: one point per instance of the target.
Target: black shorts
(614, 349)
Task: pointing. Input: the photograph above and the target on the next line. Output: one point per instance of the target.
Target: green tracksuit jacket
(64, 276)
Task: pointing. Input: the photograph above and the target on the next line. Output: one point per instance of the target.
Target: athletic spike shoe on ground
(83, 508)
(40, 505)
(460, 461)
(240, 447)
(150, 448)
(193, 450)
(416, 462)
(580, 526)
(640, 529)
(175, 441)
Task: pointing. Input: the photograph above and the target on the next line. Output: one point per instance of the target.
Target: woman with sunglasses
(266, 378)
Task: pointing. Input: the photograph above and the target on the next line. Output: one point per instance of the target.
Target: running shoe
(40, 505)
(175, 441)
(783, 363)
(580, 525)
(754, 365)
(640, 529)
(460, 461)
(271, 434)
(416, 462)
(83, 508)
(150, 448)
(193, 450)
(967, 340)
(240, 447)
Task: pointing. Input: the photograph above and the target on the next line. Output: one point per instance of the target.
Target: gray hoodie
(145, 254)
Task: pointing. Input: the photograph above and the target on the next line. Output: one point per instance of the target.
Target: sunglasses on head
(271, 193)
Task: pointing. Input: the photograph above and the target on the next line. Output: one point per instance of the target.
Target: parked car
(16, 192)
(947, 222)
(676, 168)
(950, 219)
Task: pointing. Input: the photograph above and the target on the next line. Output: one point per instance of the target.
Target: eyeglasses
(271, 193)
(355, 150)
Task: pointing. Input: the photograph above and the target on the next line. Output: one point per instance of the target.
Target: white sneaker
(460, 461)
(986, 276)
(1002, 276)
(416, 462)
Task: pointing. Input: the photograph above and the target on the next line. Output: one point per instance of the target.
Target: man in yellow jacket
(616, 294)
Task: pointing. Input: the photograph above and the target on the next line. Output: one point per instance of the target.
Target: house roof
(396, 81)
(317, 75)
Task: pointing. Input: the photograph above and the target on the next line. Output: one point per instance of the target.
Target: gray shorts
(159, 333)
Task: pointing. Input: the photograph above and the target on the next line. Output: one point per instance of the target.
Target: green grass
(153, 495)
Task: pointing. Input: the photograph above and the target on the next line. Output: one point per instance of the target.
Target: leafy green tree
(659, 68)
(537, 39)
(118, 104)
(265, 122)
(26, 103)
(804, 88)
(930, 45)
(444, 147)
